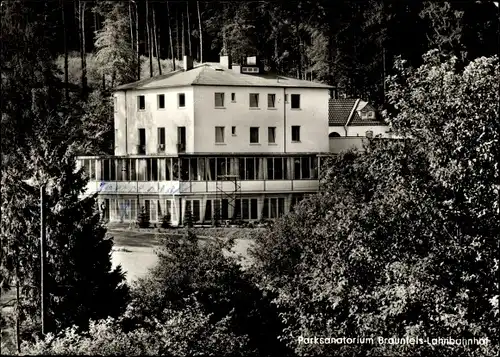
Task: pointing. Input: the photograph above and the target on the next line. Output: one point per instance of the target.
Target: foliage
(143, 219)
(187, 332)
(166, 221)
(197, 272)
(114, 51)
(402, 240)
(188, 219)
(80, 281)
(42, 137)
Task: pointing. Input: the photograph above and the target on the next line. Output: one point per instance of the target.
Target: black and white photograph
(250, 178)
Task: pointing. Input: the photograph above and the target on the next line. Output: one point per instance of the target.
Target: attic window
(371, 114)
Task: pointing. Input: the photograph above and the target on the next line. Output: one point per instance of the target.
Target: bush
(143, 219)
(192, 273)
(187, 332)
(166, 221)
(188, 219)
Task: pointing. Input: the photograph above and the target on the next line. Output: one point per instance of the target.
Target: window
(271, 100)
(233, 130)
(161, 139)
(182, 100)
(371, 114)
(295, 101)
(276, 168)
(116, 103)
(233, 97)
(271, 135)
(161, 101)
(254, 135)
(254, 100)
(219, 100)
(253, 208)
(141, 102)
(141, 149)
(295, 133)
(219, 134)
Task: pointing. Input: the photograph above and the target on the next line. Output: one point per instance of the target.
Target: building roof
(339, 113)
(212, 74)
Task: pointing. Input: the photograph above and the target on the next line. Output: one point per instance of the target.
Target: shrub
(143, 219)
(166, 221)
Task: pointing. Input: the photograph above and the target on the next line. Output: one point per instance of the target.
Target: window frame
(254, 129)
(158, 96)
(271, 129)
(221, 96)
(256, 96)
(179, 96)
(221, 130)
(292, 96)
(139, 97)
(161, 137)
(297, 139)
(273, 96)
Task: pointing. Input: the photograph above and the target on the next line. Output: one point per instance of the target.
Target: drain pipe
(284, 119)
(126, 125)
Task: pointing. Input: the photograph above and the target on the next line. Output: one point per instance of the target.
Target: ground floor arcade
(204, 209)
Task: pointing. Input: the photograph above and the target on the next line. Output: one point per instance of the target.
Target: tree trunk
(183, 42)
(201, 34)
(82, 45)
(18, 309)
(177, 40)
(137, 42)
(188, 29)
(65, 44)
(130, 24)
(156, 41)
(148, 30)
(170, 35)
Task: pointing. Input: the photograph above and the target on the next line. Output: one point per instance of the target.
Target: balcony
(200, 187)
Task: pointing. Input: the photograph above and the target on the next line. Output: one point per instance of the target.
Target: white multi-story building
(223, 142)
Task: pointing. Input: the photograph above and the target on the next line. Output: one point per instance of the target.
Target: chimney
(188, 63)
(225, 61)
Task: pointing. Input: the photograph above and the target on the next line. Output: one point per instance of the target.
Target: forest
(349, 44)
(400, 241)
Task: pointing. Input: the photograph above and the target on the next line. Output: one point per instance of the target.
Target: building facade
(218, 141)
(351, 121)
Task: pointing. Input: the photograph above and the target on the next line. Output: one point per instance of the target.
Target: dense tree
(402, 240)
(197, 272)
(114, 45)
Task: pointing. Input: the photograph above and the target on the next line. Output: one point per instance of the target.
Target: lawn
(134, 248)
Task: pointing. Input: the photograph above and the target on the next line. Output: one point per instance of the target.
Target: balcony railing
(200, 187)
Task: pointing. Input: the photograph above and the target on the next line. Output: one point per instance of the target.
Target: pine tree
(80, 281)
(115, 55)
